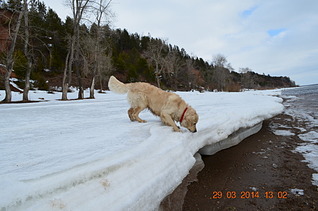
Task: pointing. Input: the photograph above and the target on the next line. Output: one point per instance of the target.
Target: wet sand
(257, 174)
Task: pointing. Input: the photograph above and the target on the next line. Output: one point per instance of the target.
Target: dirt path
(261, 173)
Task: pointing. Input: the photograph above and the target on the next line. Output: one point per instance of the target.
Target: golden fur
(168, 106)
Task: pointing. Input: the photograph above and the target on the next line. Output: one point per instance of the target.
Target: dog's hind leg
(138, 103)
(130, 114)
(133, 114)
(136, 114)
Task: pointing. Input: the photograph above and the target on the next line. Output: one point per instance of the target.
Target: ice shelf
(234, 139)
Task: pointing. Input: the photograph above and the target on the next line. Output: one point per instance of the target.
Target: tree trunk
(26, 52)
(64, 91)
(158, 80)
(101, 84)
(67, 77)
(65, 84)
(7, 85)
(157, 75)
(10, 60)
(80, 89)
(91, 91)
(79, 79)
(27, 82)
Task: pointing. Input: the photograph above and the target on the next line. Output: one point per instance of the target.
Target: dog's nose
(194, 131)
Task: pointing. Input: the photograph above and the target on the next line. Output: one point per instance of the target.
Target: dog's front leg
(166, 119)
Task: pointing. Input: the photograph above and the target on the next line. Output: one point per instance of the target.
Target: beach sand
(260, 173)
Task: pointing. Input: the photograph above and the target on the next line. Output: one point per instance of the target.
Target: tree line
(83, 51)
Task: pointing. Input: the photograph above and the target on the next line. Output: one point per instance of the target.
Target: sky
(276, 37)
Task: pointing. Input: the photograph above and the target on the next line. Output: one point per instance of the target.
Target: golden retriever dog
(170, 107)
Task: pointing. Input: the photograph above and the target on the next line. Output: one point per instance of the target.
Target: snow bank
(87, 155)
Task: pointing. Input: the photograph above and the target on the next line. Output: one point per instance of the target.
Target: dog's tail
(116, 86)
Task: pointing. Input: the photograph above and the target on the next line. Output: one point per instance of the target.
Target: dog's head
(190, 120)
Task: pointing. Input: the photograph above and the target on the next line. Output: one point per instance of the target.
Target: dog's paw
(142, 121)
(177, 129)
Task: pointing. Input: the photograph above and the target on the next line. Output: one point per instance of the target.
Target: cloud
(271, 37)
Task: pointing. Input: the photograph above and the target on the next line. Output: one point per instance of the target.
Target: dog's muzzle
(195, 130)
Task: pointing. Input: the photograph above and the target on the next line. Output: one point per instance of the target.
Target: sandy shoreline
(261, 173)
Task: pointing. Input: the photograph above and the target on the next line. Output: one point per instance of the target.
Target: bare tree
(90, 56)
(100, 53)
(247, 79)
(219, 60)
(192, 78)
(154, 55)
(245, 70)
(9, 59)
(97, 61)
(221, 78)
(221, 75)
(107, 68)
(172, 63)
(79, 7)
(67, 76)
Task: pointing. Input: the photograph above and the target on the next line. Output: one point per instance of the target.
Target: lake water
(302, 104)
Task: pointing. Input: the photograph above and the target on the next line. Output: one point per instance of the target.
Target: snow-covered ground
(88, 155)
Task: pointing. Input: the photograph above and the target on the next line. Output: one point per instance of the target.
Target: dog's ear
(193, 114)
